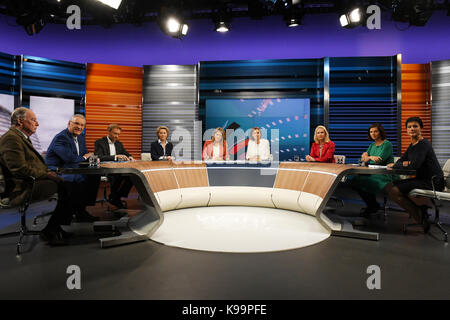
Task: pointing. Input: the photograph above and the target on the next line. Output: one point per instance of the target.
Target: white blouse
(262, 149)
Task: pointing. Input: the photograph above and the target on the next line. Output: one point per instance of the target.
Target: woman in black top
(419, 156)
(161, 149)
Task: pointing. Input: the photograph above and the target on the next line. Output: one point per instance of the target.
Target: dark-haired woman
(379, 153)
(419, 156)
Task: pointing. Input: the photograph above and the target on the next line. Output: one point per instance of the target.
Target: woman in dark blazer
(161, 149)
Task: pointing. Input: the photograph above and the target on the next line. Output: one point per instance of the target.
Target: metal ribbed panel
(53, 78)
(9, 74)
(170, 99)
(363, 90)
(440, 111)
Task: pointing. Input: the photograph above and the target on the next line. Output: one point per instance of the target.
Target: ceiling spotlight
(222, 19)
(293, 22)
(351, 18)
(222, 26)
(32, 22)
(416, 13)
(171, 23)
(293, 14)
(355, 16)
(112, 3)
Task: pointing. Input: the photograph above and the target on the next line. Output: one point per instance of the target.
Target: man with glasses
(67, 150)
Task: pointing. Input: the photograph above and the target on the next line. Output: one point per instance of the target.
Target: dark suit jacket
(157, 150)
(18, 155)
(103, 152)
(62, 153)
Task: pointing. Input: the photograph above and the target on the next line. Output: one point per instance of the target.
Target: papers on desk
(374, 166)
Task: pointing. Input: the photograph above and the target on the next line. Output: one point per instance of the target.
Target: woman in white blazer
(258, 149)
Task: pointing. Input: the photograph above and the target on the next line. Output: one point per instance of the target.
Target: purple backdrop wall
(319, 36)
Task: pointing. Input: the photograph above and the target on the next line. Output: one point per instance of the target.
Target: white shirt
(112, 147)
(216, 152)
(262, 149)
(75, 139)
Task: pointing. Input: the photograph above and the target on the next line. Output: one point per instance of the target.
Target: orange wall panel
(416, 98)
(114, 95)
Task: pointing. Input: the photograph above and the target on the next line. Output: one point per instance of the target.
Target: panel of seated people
(192, 178)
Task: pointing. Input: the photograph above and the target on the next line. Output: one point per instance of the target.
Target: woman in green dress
(379, 153)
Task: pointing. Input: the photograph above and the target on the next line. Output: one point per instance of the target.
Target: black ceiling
(141, 11)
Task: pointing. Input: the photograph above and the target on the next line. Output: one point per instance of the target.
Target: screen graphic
(284, 122)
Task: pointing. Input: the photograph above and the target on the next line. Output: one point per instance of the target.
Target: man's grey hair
(77, 116)
(19, 113)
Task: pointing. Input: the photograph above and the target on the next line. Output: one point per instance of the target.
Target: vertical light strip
(440, 112)
(326, 91)
(399, 104)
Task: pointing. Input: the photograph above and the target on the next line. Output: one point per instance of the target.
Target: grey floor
(413, 266)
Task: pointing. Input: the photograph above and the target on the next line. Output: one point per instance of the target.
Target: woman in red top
(216, 149)
(322, 149)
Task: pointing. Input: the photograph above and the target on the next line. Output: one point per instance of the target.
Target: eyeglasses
(78, 123)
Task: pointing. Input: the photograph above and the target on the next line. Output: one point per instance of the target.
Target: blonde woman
(322, 149)
(258, 149)
(161, 149)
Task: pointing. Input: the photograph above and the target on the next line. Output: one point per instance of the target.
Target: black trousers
(369, 198)
(120, 186)
(82, 194)
(44, 189)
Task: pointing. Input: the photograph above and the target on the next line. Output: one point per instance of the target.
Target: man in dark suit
(109, 148)
(20, 159)
(67, 150)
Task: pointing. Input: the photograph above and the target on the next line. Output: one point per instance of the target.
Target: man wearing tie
(109, 148)
(20, 159)
(67, 150)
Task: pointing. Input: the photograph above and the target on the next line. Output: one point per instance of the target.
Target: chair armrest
(432, 184)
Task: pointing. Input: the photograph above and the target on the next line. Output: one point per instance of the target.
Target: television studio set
(224, 158)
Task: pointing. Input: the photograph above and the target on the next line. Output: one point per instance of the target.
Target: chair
(22, 207)
(146, 156)
(340, 159)
(435, 196)
(385, 206)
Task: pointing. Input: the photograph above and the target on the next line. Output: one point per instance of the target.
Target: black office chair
(434, 196)
(5, 186)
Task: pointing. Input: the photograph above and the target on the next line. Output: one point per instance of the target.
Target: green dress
(376, 182)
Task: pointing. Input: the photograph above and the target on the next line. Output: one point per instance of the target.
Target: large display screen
(284, 122)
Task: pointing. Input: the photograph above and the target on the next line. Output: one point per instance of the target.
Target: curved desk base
(239, 229)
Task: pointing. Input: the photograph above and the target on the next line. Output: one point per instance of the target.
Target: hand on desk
(53, 176)
(309, 158)
(122, 157)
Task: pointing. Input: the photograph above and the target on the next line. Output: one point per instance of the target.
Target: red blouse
(327, 152)
(208, 150)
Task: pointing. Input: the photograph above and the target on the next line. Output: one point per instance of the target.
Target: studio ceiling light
(172, 23)
(351, 18)
(222, 19)
(112, 3)
(222, 26)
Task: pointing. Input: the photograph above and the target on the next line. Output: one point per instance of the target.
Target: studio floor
(412, 266)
